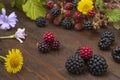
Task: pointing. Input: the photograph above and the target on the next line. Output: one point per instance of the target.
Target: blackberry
(109, 35)
(43, 47)
(116, 54)
(104, 43)
(41, 22)
(97, 65)
(88, 25)
(55, 45)
(75, 4)
(67, 24)
(55, 12)
(75, 64)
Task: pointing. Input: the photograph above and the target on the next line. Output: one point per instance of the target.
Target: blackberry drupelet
(108, 34)
(88, 25)
(97, 65)
(55, 12)
(67, 24)
(104, 43)
(75, 64)
(41, 22)
(116, 54)
(43, 47)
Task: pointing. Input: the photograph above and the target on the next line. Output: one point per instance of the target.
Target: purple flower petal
(3, 11)
(7, 22)
(5, 26)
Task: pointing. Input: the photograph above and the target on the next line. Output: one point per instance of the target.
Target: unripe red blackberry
(67, 13)
(86, 52)
(77, 15)
(68, 6)
(78, 26)
(48, 37)
(50, 4)
(49, 17)
(91, 13)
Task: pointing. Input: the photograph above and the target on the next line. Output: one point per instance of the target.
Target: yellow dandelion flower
(84, 6)
(13, 61)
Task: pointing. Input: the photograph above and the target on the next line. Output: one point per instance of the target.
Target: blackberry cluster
(55, 12)
(41, 22)
(75, 64)
(67, 24)
(43, 47)
(97, 65)
(78, 62)
(107, 38)
(49, 43)
(88, 25)
(116, 54)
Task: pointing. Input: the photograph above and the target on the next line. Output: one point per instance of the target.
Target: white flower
(20, 34)
(7, 22)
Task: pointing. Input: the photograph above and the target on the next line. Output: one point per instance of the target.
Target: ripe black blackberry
(109, 35)
(116, 54)
(67, 24)
(41, 22)
(88, 25)
(97, 65)
(75, 4)
(55, 11)
(75, 64)
(104, 43)
(43, 47)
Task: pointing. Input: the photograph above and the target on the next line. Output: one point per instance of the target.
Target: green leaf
(99, 3)
(43, 2)
(116, 25)
(34, 9)
(1, 6)
(18, 3)
(114, 15)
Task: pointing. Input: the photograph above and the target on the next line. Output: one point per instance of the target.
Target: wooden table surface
(51, 66)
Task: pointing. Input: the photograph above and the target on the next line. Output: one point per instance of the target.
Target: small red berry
(68, 6)
(48, 37)
(49, 17)
(111, 7)
(55, 45)
(67, 13)
(50, 4)
(77, 16)
(57, 21)
(91, 13)
(86, 52)
(78, 26)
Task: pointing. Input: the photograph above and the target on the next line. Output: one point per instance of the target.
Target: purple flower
(7, 22)
(20, 34)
